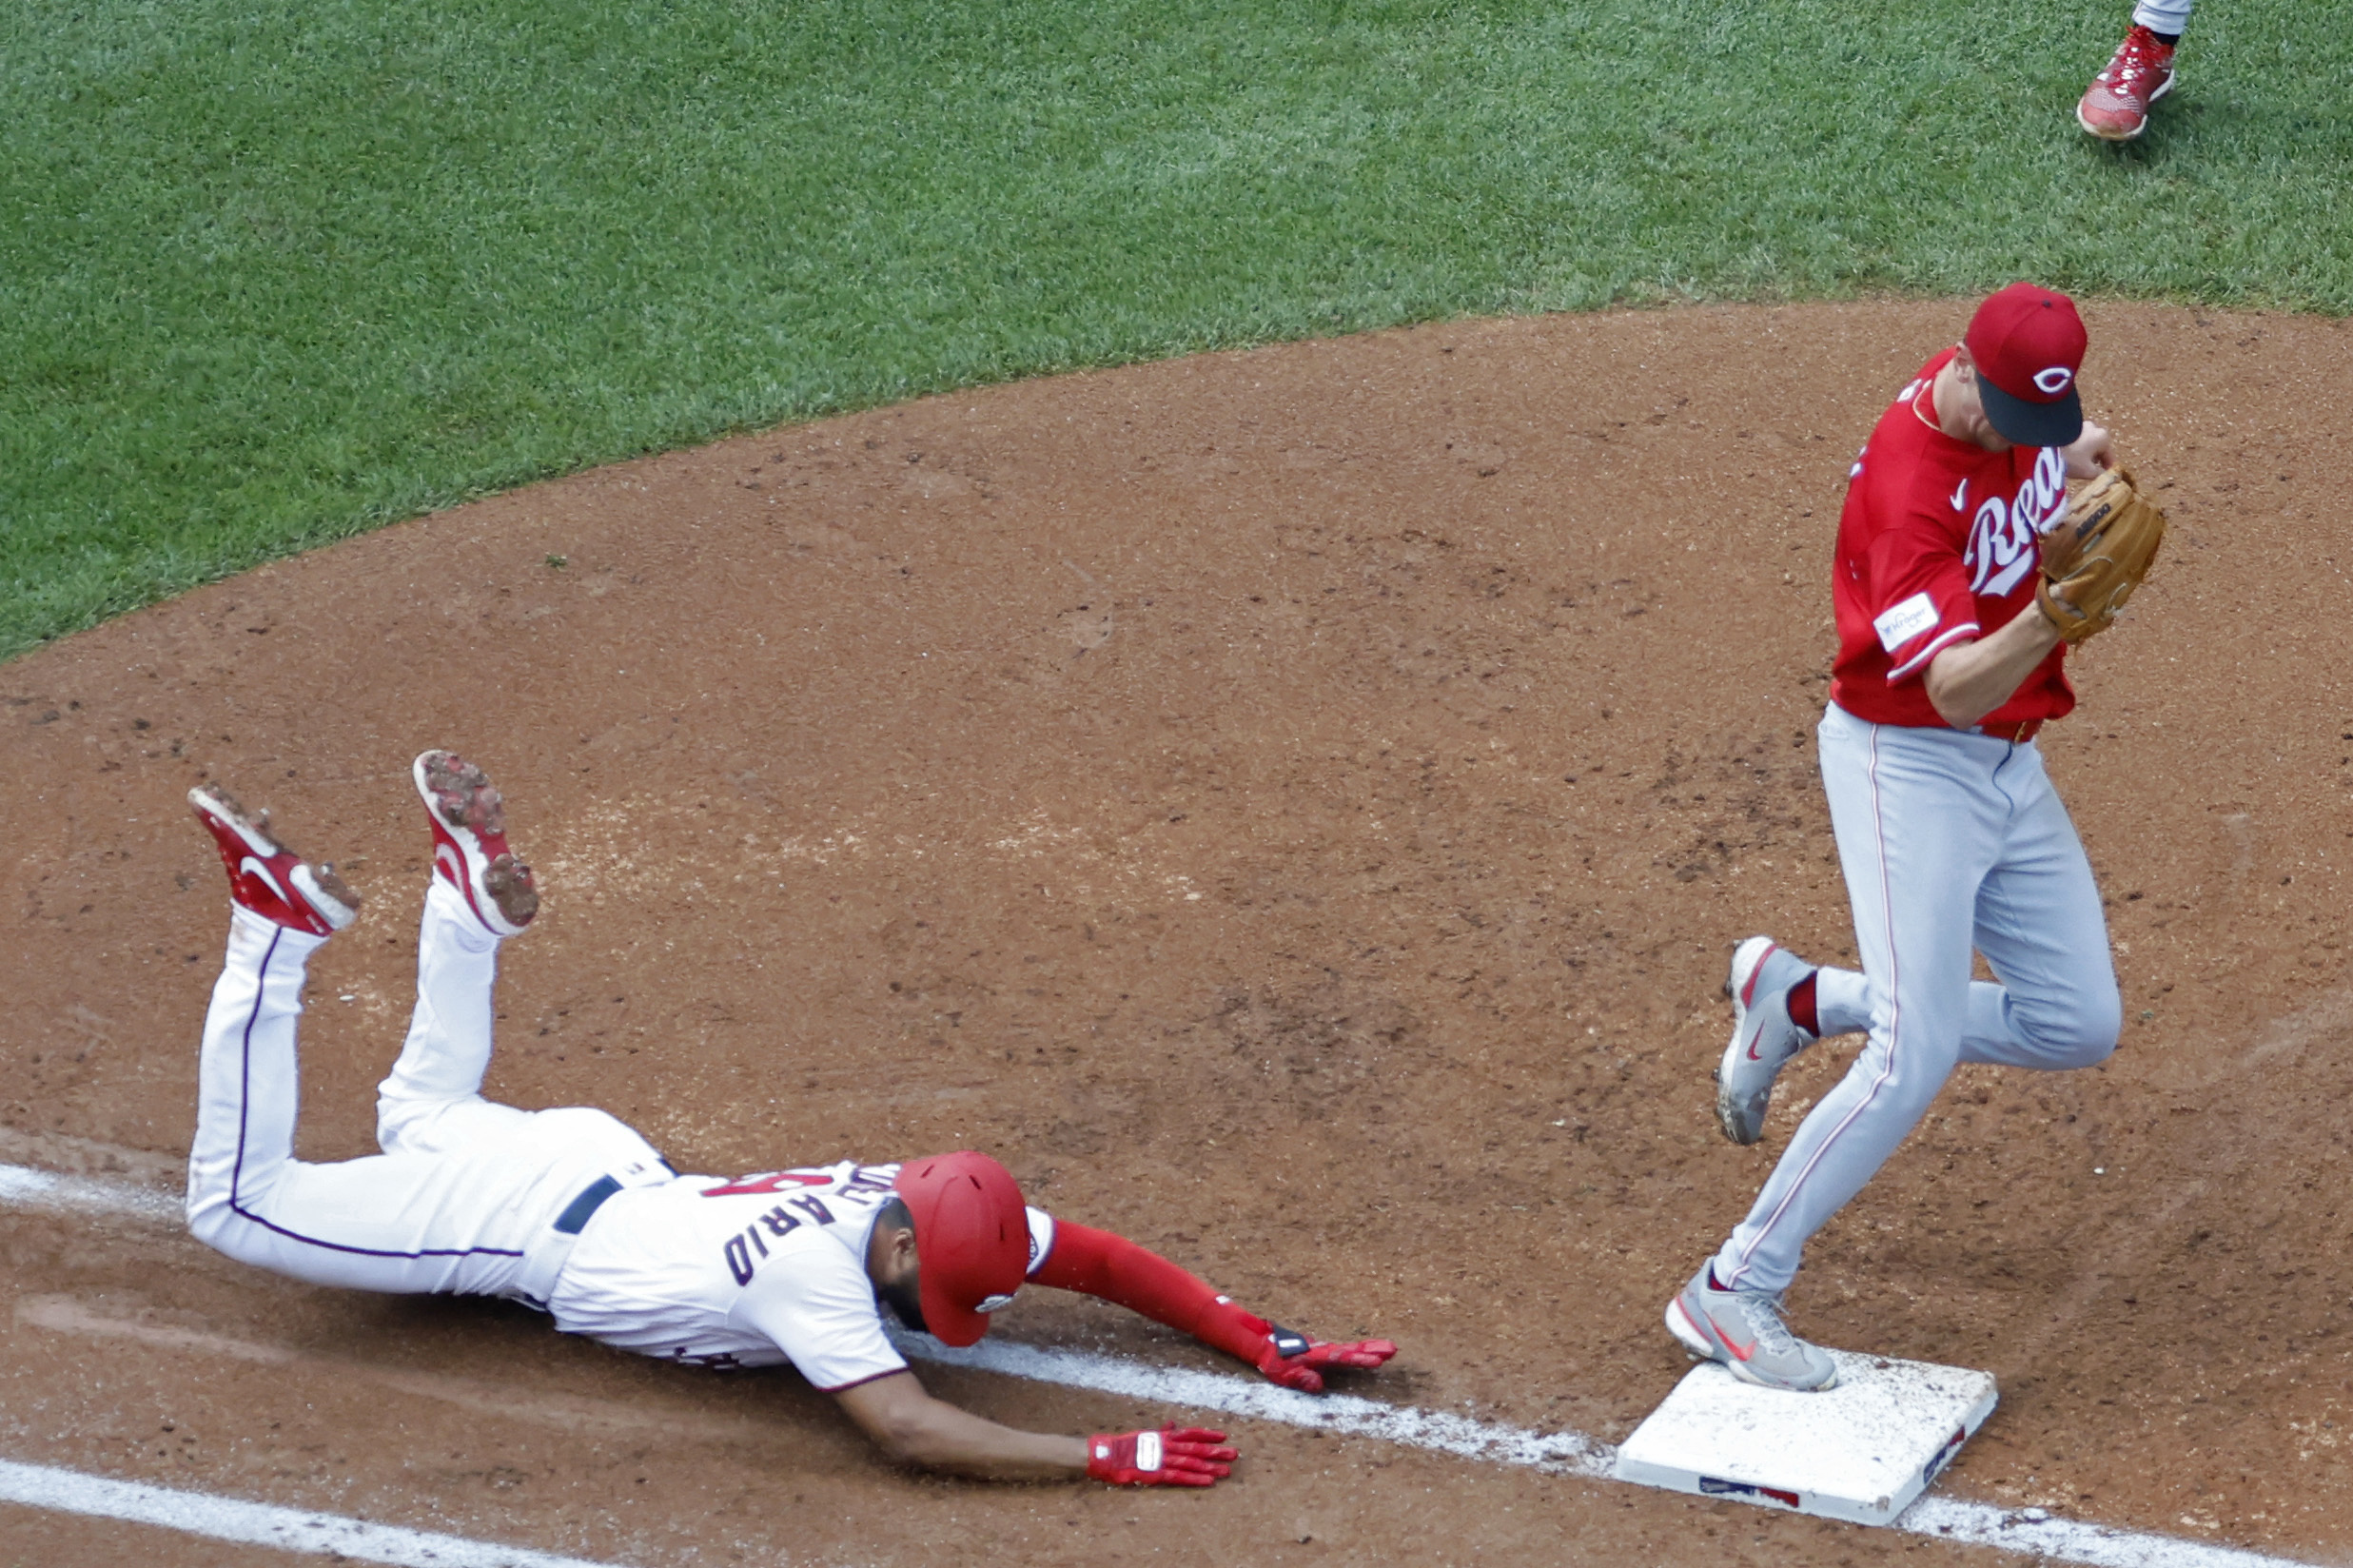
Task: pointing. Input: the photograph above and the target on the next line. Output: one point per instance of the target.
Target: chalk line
(1570, 1451)
(260, 1523)
(27, 1186)
(633, 1418)
(1941, 1519)
(2054, 1539)
(2070, 1541)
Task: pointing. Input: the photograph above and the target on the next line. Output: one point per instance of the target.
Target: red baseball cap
(972, 1239)
(2027, 344)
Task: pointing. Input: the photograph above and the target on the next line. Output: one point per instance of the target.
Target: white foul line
(260, 1523)
(1938, 1518)
(1566, 1451)
(2070, 1541)
(1941, 1519)
(1265, 1402)
(27, 1186)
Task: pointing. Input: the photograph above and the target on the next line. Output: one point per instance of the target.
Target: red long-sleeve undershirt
(1113, 1268)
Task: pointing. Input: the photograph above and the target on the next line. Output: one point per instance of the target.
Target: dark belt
(2017, 735)
(591, 1199)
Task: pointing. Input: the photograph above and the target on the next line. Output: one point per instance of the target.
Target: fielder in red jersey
(1950, 837)
(1936, 548)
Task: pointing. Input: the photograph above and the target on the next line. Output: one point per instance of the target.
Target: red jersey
(1938, 546)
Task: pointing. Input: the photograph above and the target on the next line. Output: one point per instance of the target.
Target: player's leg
(1913, 834)
(1912, 826)
(281, 909)
(432, 1097)
(480, 894)
(248, 1195)
(246, 1092)
(2041, 928)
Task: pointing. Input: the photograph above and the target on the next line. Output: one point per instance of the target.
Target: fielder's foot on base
(1743, 1329)
(1763, 1039)
(2115, 107)
(267, 877)
(469, 842)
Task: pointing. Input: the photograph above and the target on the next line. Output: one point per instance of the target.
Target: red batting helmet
(972, 1239)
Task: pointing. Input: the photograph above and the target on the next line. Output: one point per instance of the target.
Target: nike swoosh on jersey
(1960, 497)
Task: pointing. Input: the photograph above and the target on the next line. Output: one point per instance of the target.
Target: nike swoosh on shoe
(249, 866)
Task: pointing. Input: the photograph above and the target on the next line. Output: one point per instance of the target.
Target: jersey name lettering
(778, 1223)
(747, 1249)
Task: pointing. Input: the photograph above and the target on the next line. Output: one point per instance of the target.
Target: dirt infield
(1295, 808)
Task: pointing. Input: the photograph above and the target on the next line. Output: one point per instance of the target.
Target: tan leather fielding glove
(2097, 555)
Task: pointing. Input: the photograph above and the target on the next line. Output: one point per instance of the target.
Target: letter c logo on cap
(2054, 380)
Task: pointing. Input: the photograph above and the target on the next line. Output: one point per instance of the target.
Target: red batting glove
(1293, 1360)
(1174, 1455)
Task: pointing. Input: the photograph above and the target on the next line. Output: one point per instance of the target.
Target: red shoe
(265, 876)
(469, 842)
(2115, 108)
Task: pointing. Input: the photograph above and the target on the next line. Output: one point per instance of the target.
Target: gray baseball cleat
(1743, 1329)
(1763, 1039)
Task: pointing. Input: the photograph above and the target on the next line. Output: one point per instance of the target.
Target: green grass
(273, 272)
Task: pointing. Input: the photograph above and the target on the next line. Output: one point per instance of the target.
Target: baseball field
(1224, 602)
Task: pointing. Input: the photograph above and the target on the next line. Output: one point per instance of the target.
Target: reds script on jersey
(745, 1273)
(1936, 546)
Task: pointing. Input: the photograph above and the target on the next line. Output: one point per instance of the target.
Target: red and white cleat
(2116, 107)
(267, 877)
(469, 842)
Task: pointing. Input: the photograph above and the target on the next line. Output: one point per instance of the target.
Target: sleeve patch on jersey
(1899, 623)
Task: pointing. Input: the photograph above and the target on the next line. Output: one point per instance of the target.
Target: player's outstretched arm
(915, 1428)
(1097, 1262)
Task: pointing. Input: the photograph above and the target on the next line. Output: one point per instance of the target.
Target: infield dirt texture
(1294, 806)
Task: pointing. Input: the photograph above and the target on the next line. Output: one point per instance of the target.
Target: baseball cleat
(469, 842)
(1743, 1329)
(1763, 1039)
(2115, 107)
(267, 877)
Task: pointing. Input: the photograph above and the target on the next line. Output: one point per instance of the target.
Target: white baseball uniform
(568, 1210)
